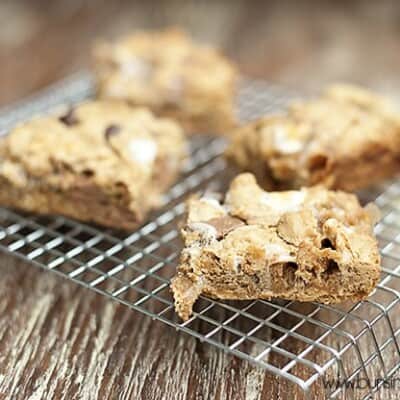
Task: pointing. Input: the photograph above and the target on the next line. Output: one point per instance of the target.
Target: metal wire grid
(311, 345)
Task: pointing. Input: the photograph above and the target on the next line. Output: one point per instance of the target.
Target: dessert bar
(102, 162)
(347, 139)
(169, 73)
(306, 245)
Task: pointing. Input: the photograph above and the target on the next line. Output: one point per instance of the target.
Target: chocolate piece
(111, 130)
(69, 118)
(223, 225)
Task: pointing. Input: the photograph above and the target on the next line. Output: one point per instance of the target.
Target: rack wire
(347, 350)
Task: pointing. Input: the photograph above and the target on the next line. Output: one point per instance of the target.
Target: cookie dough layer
(101, 162)
(172, 75)
(307, 245)
(347, 139)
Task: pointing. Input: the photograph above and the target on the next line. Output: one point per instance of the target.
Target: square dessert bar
(307, 245)
(169, 73)
(103, 162)
(346, 139)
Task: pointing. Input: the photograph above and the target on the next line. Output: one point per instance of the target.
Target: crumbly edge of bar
(84, 201)
(79, 196)
(282, 281)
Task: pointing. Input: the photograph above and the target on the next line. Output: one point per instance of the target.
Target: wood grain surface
(59, 341)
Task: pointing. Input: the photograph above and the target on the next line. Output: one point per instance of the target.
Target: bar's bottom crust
(86, 203)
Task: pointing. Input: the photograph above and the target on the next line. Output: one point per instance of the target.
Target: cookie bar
(347, 139)
(306, 245)
(172, 75)
(102, 162)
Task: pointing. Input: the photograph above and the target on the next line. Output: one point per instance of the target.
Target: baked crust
(102, 162)
(347, 139)
(307, 245)
(169, 73)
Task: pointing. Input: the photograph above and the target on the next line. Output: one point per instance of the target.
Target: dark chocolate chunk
(111, 130)
(332, 267)
(88, 173)
(326, 243)
(224, 225)
(69, 118)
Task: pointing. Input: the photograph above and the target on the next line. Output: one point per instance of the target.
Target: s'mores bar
(169, 73)
(306, 245)
(101, 162)
(347, 139)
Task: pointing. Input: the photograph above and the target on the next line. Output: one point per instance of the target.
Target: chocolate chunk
(327, 244)
(111, 130)
(224, 225)
(88, 173)
(69, 118)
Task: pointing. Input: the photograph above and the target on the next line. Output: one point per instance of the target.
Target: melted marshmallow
(283, 202)
(213, 203)
(285, 144)
(136, 68)
(143, 151)
(131, 65)
(278, 253)
(348, 229)
(207, 231)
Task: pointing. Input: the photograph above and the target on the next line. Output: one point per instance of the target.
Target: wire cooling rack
(346, 350)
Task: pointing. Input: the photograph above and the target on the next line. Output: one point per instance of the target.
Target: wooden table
(61, 341)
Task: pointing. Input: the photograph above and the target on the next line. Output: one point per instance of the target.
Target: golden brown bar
(101, 162)
(347, 139)
(307, 245)
(171, 74)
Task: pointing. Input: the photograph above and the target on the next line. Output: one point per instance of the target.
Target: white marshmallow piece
(213, 203)
(136, 68)
(130, 65)
(143, 150)
(278, 253)
(348, 229)
(283, 202)
(207, 231)
(285, 144)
